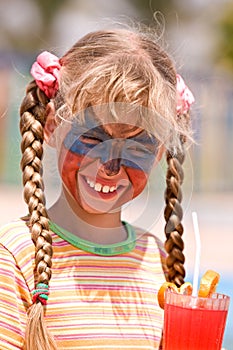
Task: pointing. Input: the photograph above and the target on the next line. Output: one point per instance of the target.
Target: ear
(50, 125)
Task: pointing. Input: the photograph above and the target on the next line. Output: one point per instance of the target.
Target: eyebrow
(140, 137)
(97, 130)
(91, 119)
(144, 135)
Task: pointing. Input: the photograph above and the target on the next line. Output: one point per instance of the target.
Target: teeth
(105, 189)
(99, 188)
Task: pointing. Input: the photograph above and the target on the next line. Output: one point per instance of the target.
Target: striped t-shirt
(95, 302)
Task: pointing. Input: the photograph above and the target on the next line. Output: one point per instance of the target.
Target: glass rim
(215, 295)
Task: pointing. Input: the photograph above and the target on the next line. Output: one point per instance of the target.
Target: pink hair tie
(46, 71)
(185, 97)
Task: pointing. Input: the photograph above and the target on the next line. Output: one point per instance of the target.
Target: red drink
(197, 327)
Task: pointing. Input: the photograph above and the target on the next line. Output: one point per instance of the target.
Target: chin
(101, 206)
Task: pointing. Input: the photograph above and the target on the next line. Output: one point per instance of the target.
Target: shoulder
(149, 239)
(16, 246)
(151, 246)
(15, 234)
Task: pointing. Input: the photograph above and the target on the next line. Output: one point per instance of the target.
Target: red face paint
(90, 176)
(68, 167)
(138, 179)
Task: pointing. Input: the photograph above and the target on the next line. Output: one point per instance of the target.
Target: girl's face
(104, 166)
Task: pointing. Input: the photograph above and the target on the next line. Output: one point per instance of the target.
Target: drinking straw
(197, 255)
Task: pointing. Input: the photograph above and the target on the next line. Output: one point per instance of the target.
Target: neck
(104, 228)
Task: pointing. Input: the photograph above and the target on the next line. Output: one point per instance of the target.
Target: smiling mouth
(99, 187)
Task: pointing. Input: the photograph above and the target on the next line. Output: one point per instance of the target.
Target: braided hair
(173, 214)
(32, 113)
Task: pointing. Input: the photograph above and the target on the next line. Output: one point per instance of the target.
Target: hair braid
(173, 214)
(32, 121)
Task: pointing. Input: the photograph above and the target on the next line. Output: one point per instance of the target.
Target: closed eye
(89, 140)
(139, 150)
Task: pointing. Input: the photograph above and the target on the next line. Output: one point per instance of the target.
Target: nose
(111, 158)
(112, 167)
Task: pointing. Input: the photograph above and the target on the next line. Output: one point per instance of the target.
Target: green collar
(98, 249)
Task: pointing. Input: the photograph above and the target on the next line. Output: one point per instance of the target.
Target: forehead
(118, 120)
(121, 130)
(101, 121)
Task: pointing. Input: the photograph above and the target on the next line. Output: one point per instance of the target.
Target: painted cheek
(138, 180)
(69, 164)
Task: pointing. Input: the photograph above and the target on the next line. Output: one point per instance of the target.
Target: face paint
(137, 152)
(83, 146)
(69, 164)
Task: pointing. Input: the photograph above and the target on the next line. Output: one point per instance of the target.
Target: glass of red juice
(194, 323)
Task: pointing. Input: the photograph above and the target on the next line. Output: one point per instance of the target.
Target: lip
(103, 182)
(121, 186)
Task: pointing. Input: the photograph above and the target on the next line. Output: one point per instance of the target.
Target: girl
(75, 276)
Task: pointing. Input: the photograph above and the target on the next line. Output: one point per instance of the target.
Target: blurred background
(199, 36)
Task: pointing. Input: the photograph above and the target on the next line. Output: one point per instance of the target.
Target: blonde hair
(104, 67)
(122, 66)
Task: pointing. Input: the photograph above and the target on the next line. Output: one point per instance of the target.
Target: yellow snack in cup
(208, 283)
(186, 288)
(162, 290)
(208, 286)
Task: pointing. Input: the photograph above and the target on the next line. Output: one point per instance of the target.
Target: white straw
(197, 255)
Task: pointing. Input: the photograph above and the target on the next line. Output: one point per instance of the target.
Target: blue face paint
(137, 152)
